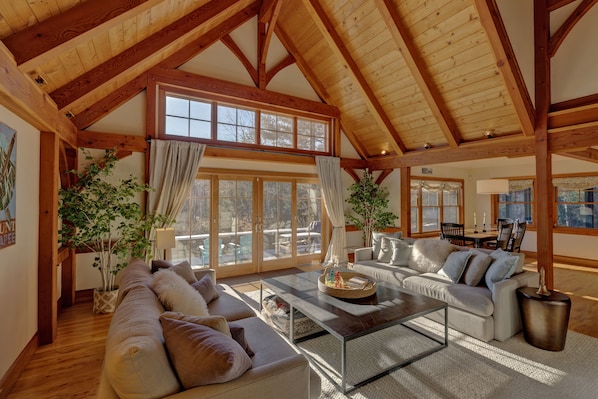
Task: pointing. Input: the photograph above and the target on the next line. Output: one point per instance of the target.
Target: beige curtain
(173, 168)
(329, 171)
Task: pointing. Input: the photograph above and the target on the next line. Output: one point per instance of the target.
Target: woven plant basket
(104, 301)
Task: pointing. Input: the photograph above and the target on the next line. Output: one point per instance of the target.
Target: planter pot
(104, 301)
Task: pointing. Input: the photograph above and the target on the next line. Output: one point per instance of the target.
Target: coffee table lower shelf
(306, 305)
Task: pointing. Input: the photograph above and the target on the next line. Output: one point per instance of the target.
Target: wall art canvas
(8, 181)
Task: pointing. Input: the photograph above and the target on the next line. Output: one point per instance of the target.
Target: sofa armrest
(200, 272)
(284, 378)
(366, 253)
(507, 320)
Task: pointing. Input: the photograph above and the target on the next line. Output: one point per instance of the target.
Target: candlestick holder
(475, 229)
(484, 228)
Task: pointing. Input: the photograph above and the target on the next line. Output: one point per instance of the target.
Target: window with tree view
(518, 204)
(577, 203)
(197, 118)
(433, 202)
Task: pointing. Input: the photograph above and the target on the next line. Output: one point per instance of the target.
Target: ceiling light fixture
(492, 186)
(427, 146)
(383, 152)
(489, 133)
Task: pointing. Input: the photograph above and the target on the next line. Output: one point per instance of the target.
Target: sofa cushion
(218, 323)
(476, 267)
(401, 251)
(183, 269)
(177, 294)
(385, 252)
(477, 300)
(136, 363)
(135, 274)
(384, 272)
(206, 287)
(230, 305)
(428, 254)
(501, 268)
(499, 253)
(201, 355)
(377, 241)
(455, 264)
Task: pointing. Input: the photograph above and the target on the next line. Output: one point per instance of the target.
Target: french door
(246, 224)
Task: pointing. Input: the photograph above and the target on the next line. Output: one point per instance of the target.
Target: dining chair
(453, 232)
(515, 243)
(503, 238)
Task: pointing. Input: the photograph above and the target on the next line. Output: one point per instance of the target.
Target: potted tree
(369, 203)
(100, 215)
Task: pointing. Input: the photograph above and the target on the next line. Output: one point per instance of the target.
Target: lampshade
(165, 238)
(493, 186)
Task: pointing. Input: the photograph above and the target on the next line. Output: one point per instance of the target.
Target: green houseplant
(100, 215)
(369, 203)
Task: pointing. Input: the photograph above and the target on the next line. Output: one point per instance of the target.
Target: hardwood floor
(71, 366)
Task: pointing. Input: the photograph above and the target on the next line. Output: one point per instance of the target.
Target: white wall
(18, 263)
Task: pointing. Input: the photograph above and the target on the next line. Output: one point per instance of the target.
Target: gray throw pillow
(206, 288)
(401, 251)
(455, 264)
(498, 253)
(476, 267)
(376, 241)
(500, 269)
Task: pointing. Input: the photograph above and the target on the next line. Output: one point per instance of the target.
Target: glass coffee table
(349, 319)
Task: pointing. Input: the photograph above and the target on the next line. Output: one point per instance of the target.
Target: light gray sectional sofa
(479, 285)
(137, 362)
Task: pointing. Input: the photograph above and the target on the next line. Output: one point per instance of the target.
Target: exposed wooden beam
(544, 190)
(264, 156)
(574, 103)
(288, 60)
(573, 116)
(67, 94)
(573, 138)
(20, 94)
(589, 155)
(61, 33)
(109, 103)
(556, 4)
(107, 141)
(351, 172)
(383, 175)
(507, 63)
(337, 46)
(416, 65)
(559, 36)
(266, 23)
(405, 216)
(235, 90)
(497, 147)
(349, 163)
(236, 50)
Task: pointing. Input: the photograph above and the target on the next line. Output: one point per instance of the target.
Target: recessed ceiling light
(489, 133)
(383, 152)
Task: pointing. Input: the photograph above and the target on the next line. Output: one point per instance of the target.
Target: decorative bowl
(368, 289)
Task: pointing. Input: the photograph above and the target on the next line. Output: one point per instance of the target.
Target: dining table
(479, 237)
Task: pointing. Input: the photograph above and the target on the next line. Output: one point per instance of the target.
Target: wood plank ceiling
(421, 81)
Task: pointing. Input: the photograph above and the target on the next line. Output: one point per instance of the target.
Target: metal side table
(544, 318)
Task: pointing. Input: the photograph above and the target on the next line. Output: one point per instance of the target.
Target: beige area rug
(467, 368)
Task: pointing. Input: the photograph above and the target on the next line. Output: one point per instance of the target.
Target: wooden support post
(405, 220)
(47, 299)
(544, 191)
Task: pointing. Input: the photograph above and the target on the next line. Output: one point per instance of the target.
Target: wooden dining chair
(453, 232)
(503, 238)
(515, 243)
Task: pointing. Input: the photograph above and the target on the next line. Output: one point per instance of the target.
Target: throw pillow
(201, 355)
(500, 269)
(238, 334)
(476, 268)
(401, 251)
(520, 258)
(206, 287)
(376, 241)
(218, 323)
(183, 269)
(428, 254)
(454, 266)
(177, 294)
(385, 250)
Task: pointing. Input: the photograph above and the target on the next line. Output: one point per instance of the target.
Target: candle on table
(484, 220)
(474, 221)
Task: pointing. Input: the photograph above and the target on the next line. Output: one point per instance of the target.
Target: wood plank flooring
(71, 366)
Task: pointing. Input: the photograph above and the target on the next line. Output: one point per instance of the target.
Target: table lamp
(165, 240)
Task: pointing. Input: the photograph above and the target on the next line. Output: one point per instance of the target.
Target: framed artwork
(8, 182)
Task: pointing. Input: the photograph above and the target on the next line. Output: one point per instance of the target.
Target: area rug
(467, 368)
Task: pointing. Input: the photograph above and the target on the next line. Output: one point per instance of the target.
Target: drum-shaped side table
(544, 318)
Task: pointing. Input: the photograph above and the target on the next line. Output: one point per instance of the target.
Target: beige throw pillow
(429, 254)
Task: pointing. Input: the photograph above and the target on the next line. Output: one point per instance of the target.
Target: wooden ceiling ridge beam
(418, 69)
(556, 4)
(228, 41)
(559, 36)
(336, 44)
(22, 96)
(318, 88)
(118, 97)
(40, 43)
(266, 23)
(130, 57)
(507, 63)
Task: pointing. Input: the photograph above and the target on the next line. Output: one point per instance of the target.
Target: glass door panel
(277, 226)
(233, 246)
(309, 219)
